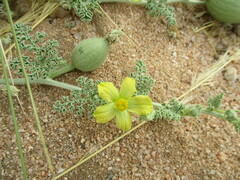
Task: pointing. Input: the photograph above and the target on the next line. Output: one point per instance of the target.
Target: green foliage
(216, 101)
(192, 110)
(81, 101)
(85, 8)
(159, 8)
(232, 116)
(87, 99)
(171, 110)
(174, 110)
(144, 82)
(82, 8)
(149, 117)
(42, 56)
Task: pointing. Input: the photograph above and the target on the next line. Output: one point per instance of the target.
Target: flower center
(122, 104)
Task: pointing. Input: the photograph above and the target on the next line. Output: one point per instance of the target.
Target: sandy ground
(194, 148)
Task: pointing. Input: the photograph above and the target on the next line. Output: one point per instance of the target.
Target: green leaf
(82, 8)
(82, 102)
(216, 101)
(231, 115)
(172, 110)
(149, 117)
(144, 82)
(159, 8)
(192, 110)
(45, 55)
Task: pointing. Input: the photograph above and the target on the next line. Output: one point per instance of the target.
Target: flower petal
(123, 120)
(141, 105)
(128, 88)
(105, 113)
(108, 91)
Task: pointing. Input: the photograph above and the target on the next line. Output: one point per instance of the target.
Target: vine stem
(185, 1)
(47, 81)
(136, 2)
(215, 112)
(144, 2)
(55, 73)
(157, 104)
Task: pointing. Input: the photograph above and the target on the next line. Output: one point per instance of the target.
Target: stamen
(122, 104)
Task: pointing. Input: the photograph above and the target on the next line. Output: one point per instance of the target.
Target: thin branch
(98, 151)
(208, 75)
(47, 81)
(29, 89)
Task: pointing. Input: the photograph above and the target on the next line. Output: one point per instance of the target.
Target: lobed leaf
(144, 82)
(159, 8)
(44, 56)
(81, 101)
(82, 8)
(216, 101)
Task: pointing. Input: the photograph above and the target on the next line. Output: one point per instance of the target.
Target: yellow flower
(119, 104)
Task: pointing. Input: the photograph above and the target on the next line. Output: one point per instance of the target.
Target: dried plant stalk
(207, 76)
(38, 12)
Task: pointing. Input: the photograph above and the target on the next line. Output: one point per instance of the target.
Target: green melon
(90, 54)
(227, 11)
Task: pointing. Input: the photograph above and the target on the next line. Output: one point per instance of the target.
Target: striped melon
(227, 11)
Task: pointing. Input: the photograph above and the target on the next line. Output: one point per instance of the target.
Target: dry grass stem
(206, 25)
(40, 10)
(205, 78)
(11, 78)
(98, 151)
(202, 79)
(136, 45)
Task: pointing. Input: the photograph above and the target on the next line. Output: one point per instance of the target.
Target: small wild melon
(90, 54)
(227, 11)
